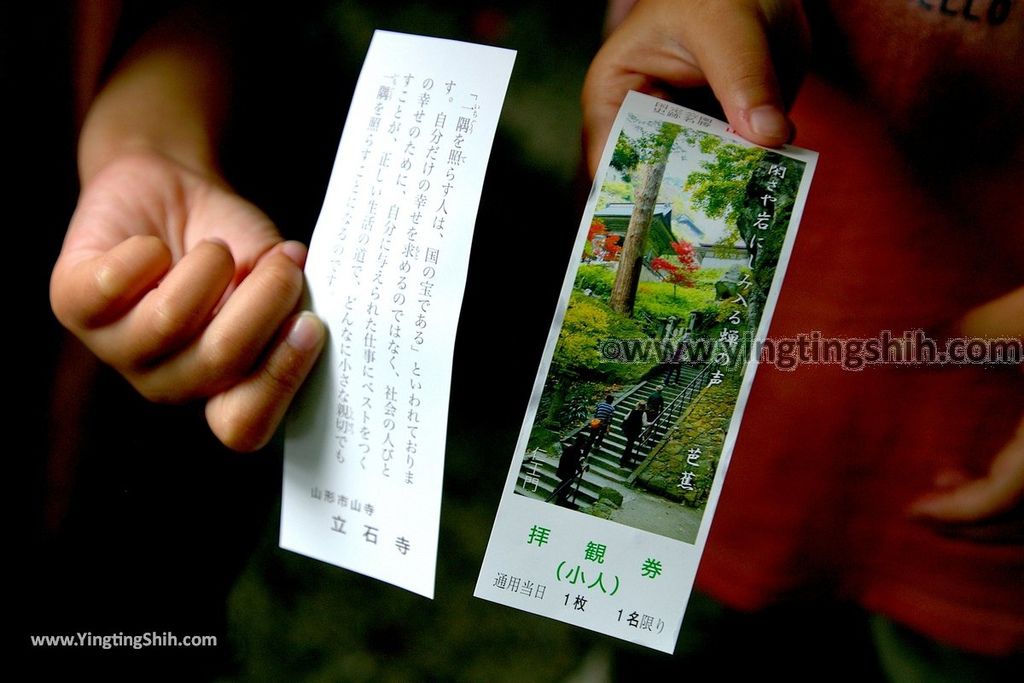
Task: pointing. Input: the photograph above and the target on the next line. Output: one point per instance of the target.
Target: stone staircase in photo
(537, 477)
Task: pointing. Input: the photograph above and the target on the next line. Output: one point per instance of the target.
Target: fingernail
(217, 240)
(296, 251)
(768, 122)
(306, 333)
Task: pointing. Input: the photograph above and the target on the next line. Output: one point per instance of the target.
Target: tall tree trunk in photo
(630, 258)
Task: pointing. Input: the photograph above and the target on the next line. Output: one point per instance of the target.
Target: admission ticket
(640, 394)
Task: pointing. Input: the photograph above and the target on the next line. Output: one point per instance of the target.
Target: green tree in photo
(651, 154)
(737, 186)
(625, 158)
(719, 187)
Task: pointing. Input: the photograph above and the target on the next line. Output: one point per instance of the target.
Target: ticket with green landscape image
(640, 395)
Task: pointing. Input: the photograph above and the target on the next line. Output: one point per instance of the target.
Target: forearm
(168, 96)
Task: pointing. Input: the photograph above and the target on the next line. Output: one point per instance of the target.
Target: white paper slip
(640, 393)
(364, 448)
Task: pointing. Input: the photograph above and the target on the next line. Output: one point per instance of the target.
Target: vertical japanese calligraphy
(364, 451)
(678, 261)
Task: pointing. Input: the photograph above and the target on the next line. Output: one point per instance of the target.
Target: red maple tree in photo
(610, 246)
(681, 273)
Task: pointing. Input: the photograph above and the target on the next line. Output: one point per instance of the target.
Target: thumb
(744, 49)
(724, 45)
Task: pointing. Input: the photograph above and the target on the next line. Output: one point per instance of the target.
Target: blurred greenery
(293, 618)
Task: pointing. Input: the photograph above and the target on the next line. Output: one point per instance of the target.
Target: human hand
(189, 292)
(750, 53)
(957, 498)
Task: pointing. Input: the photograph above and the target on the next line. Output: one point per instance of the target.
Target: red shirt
(828, 460)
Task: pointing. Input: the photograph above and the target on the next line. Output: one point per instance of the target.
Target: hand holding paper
(750, 53)
(166, 274)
